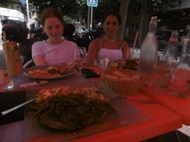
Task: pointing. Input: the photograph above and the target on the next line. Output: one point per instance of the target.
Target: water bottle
(148, 50)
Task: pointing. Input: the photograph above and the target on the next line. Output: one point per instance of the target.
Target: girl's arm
(39, 60)
(92, 52)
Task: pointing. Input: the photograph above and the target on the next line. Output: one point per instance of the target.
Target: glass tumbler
(11, 65)
(163, 71)
(6, 80)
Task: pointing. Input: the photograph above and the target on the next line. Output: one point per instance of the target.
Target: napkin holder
(9, 100)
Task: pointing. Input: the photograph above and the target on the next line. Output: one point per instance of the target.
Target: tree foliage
(69, 8)
(13, 4)
(79, 8)
(76, 8)
(154, 6)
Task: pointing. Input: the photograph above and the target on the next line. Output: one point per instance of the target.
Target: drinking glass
(162, 72)
(80, 58)
(6, 79)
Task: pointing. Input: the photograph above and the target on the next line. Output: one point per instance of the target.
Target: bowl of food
(123, 81)
(131, 64)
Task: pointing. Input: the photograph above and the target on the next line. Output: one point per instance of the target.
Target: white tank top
(111, 54)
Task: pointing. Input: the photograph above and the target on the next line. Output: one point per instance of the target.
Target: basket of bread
(131, 64)
(123, 81)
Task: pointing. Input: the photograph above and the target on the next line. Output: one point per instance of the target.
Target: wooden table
(161, 121)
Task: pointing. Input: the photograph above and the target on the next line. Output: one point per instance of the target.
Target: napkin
(9, 100)
(104, 63)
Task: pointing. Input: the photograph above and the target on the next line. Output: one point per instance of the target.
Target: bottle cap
(174, 36)
(154, 18)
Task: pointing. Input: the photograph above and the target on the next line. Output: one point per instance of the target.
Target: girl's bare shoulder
(96, 42)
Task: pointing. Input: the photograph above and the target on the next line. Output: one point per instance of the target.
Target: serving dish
(43, 73)
(125, 114)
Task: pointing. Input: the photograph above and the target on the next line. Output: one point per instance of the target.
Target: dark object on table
(9, 100)
(131, 64)
(88, 73)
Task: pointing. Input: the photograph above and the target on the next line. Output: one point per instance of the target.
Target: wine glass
(80, 58)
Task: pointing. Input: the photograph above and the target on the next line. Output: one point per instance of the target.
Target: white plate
(71, 70)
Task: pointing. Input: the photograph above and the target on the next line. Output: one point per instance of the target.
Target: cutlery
(143, 101)
(16, 107)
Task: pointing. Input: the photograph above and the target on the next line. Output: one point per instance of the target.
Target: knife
(16, 107)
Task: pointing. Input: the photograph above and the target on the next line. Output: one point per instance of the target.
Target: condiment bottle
(148, 50)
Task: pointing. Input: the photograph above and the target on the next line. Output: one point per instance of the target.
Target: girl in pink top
(108, 46)
(55, 49)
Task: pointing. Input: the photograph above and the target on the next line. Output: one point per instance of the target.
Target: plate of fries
(49, 72)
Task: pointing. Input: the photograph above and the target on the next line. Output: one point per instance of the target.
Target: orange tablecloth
(162, 121)
(180, 106)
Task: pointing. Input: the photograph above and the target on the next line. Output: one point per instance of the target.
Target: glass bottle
(171, 48)
(148, 51)
(180, 80)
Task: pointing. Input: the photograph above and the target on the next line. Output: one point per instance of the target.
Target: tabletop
(179, 105)
(161, 121)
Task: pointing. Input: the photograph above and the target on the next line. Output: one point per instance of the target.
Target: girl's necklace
(113, 40)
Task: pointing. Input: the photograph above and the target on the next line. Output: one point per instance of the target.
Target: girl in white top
(55, 49)
(55, 54)
(108, 46)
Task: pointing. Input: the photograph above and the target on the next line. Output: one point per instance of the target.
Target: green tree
(69, 8)
(13, 4)
(153, 6)
(79, 9)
